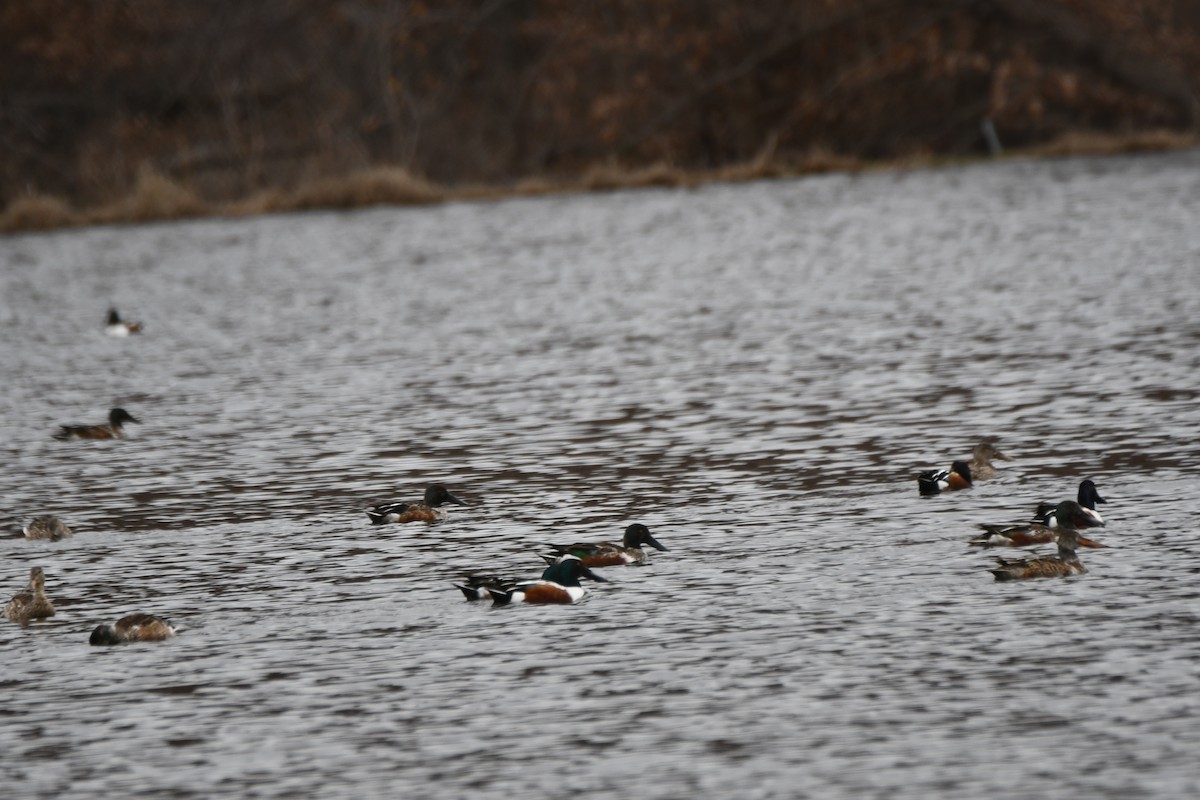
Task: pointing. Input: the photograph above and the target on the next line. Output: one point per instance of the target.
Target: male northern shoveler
(1039, 531)
(46, 527)
(981, 461)
(1087, 497)
(115, 326)
(427, 510)
(1070, 516)
(133, 628)
(111, 430)
(481, 587)
(934, 481)
(32, 603)
(609, 554)
(559, 584)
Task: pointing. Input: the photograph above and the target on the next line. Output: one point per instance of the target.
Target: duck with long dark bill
(559, 585)
(111, 430)
(485, 586)
(1070, 517)
(427, 510)
(1087, 497)
(610, 554)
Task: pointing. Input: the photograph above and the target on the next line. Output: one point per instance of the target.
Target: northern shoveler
(133, 628)
(981, 461)
(46, 527)
(609, 554)
(111, 430)
(115, 326)
(427, 510)
(559, 584)
(1087, 497)
(481, 587)
(32, 603)
(935, 481)
(1039, 531)
(1070, 516)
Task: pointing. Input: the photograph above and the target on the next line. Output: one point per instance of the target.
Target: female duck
(46, 527)
(32, 603)
(133, 628)
(981, 461)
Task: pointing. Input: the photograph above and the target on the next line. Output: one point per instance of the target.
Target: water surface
(757, 372)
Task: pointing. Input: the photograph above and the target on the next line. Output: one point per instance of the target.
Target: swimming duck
(115, 326)
(981, 461)
(46, 527)
(559, 584)
(427, 510)
(480, 587)
(1039, 531)
(1070, 516)
(32, 603)
(1087, 497)
(935, 481)
(609, 554)
(133, 628)
(111, 430)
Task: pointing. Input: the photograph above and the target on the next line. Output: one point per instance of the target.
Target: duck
(1087, 497)
(559, 584)
(1070, 516)
(981, 461)
(946, 480)
(1039, 531)
(133, 628)
(426, 510)
(111, 430)
(609, 554)
(480, 587)
(115, 326)
(31, 604)
(46, 527)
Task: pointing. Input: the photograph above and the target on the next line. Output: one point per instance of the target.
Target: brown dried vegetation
(147, 109)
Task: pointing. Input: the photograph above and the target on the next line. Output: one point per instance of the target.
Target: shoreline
(158, 198)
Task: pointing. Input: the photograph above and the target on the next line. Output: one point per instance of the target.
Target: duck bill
(1001, 456)
(452, 499)
(1086, 542)
(657, 545)
(587, 573)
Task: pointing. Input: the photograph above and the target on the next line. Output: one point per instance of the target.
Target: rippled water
(757, 372)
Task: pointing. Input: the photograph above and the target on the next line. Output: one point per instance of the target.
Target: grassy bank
(156, 197)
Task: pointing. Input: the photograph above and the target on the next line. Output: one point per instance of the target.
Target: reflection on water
(756, 372)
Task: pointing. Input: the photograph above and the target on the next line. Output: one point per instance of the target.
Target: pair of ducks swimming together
(1053, 522)
(566, 564)
(33, 604)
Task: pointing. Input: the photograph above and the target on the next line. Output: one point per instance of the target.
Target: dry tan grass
(380, 186)
(154, 197)
(37, 212)
(1091, 143)
(157, 197)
